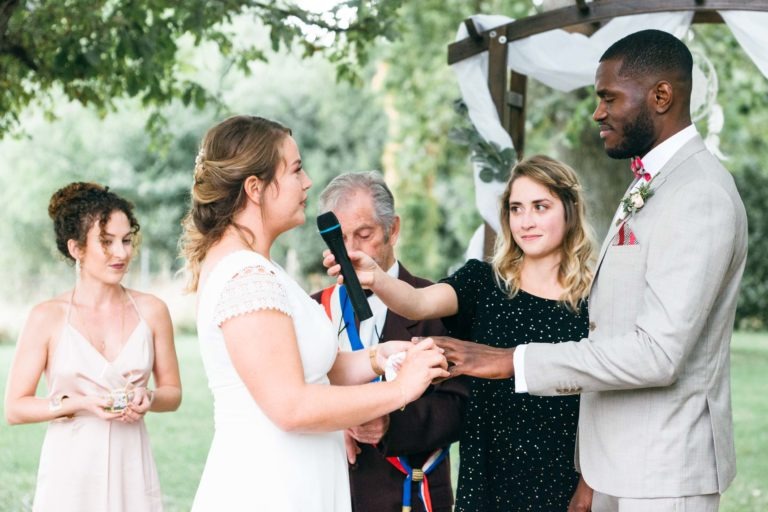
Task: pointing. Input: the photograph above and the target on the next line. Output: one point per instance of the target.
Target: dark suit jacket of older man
(431, 422)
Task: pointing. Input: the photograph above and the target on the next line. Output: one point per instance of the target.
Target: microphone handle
(354, 290)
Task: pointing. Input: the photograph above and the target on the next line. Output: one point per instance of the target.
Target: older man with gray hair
(399, 460)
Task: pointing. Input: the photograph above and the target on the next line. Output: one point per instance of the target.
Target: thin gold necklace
(102, 346)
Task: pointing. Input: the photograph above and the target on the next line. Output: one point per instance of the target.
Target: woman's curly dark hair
(74, 209)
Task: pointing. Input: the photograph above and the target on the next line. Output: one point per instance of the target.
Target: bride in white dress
(269, 350)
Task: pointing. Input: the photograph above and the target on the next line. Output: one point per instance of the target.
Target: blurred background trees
(121, 93)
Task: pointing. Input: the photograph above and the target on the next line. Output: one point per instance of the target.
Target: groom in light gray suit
(655, 425)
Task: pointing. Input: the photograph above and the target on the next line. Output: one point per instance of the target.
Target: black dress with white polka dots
(516, 450)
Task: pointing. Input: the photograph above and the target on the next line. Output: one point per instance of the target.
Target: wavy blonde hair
(576, 265)
(231, 151)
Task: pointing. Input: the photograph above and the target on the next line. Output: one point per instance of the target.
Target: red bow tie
(638, 170)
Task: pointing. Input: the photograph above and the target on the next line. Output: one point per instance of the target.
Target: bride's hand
(424, 363)
(390, 348)
(365, 267)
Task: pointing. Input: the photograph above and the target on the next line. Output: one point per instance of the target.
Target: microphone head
(328, 223)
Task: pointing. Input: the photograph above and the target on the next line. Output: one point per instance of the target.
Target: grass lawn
(180, 440)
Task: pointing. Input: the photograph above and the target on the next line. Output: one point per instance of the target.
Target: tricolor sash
(344, 307)
(418, 475)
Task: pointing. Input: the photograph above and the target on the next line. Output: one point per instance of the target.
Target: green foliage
(495, 163)
(339, 127)
(744, 97)
(752, 312)
(96, 51)
(431, 174)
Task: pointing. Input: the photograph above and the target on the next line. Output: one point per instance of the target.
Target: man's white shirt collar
(371, 329)
(394, 270)
(658, 157)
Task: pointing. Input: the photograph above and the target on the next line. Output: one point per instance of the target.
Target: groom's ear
(662, 96)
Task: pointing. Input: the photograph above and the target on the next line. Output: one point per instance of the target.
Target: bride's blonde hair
(231, 151)
(575, 272)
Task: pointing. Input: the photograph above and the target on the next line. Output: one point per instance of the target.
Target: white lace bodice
(245, 281)
(252, 289)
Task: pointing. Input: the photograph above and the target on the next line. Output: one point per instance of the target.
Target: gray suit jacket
(655, 418)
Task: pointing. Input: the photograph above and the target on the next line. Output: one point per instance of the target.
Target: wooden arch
(508, 88)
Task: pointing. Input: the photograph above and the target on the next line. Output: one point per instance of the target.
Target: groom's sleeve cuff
(521, 386)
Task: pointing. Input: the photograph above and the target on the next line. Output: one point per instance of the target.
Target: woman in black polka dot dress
(517, 450)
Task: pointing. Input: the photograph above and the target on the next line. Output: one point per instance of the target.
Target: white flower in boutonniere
(635, 200)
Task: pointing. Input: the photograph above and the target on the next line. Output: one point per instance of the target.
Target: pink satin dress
(87, 463)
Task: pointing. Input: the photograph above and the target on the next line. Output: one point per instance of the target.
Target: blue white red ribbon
(418, 475)
(401, 463)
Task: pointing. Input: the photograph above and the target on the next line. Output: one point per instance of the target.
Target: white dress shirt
(371, 329)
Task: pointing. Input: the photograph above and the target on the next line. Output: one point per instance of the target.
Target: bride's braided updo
(231, 151)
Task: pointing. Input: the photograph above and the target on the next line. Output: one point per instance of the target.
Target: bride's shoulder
(224, 267)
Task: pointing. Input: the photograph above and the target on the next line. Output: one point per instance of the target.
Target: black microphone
(330, 230)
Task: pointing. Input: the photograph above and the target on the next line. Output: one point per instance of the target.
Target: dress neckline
(124, 343)
(539, 297)
(102, 356)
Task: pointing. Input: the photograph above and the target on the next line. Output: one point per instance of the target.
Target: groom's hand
(476, 359)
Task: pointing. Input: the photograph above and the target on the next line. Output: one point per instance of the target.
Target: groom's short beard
(638, 137)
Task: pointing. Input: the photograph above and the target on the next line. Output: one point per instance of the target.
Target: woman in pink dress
(98, 344)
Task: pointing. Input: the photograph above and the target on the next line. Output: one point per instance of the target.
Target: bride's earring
(77, 268)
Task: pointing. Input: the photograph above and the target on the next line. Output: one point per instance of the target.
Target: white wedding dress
(253, 465)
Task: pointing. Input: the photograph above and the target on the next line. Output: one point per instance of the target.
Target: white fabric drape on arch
(566, 61)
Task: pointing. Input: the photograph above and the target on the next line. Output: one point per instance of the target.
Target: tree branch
(6, 11)
(6, 47)
(308, 18)
(20, 54)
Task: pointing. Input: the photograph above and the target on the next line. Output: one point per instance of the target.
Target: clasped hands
(475, 359)
(464, 357)
(138, 403)
(424, 363)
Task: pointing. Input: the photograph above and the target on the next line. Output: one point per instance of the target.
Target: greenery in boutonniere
(495, 163)
(636, 199)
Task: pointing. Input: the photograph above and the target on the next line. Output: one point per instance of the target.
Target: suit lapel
(612, 230)
(690, 148)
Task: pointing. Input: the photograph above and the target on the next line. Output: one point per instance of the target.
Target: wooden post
(515, 105)
(498, 85)
(497, 72)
